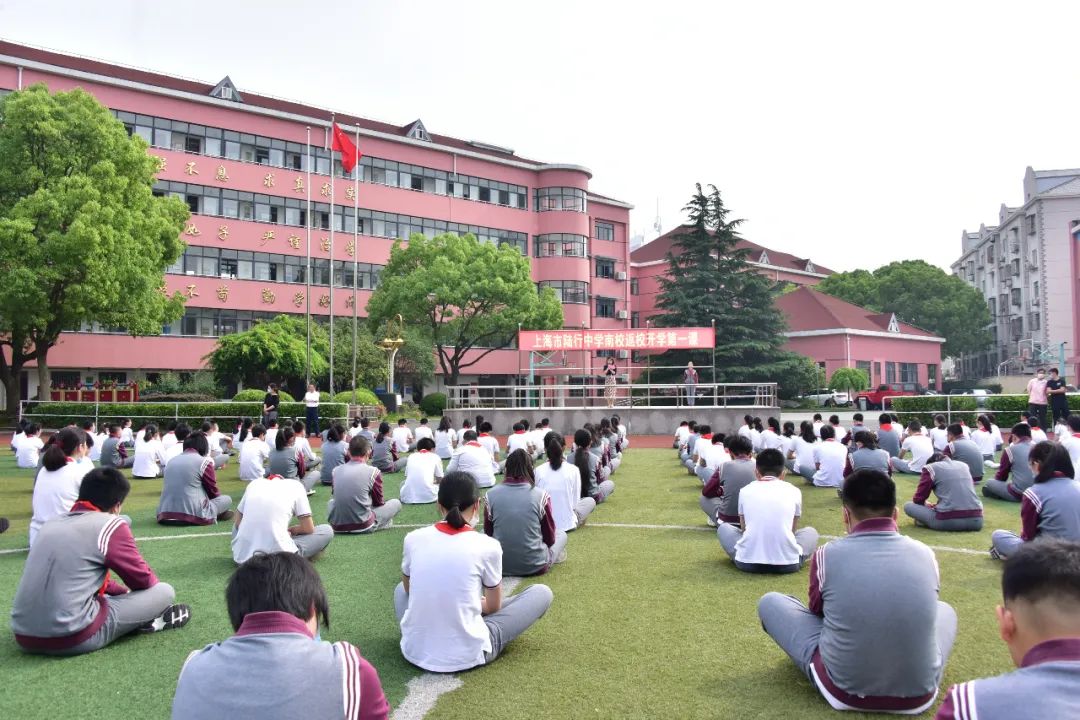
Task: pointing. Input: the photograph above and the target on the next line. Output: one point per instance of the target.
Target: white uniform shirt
(421, 472)
(770, 440)
(769, 506)
(168, 440)
(682, 435)
(996, 432)
(536, 437)
(940, 438)
(1071, 443)
(489, 443)
(423, 431)
(564, 488)
(55, 491)
(830, 456)
(149, 458)
(840, 432)
(517, 441)
(817, 427)
(28, 454)
(214, 440)
(126, 435)
(402, 438)
(176, 450)
(271, 436)
(445, 440)
(267, 508)
(18, 438)
(921, 448)
(472, 458)
(442, 629)
(1038, 435)
(311, 399)
(253, 456)
(984, 440)
(712, 454)
(304, 448)
(804, 454)
(755, 439)
(95, 452)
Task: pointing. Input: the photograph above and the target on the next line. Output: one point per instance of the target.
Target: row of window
(246, 147)
(271, 267)
(241, 205)
(202, 322)
(560, 198)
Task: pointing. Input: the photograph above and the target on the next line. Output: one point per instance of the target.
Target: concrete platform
(639, 421)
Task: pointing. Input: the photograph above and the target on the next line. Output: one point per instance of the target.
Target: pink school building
(239, 161)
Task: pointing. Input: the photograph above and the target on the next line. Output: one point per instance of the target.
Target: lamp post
(392, 344)
(648, 368)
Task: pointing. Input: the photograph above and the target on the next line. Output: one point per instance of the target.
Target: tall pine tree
(709, 279)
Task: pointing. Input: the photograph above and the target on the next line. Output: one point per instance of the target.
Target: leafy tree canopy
(468, 296)
(849, 380)
(82, 238)
(923, 295)
(271, 351)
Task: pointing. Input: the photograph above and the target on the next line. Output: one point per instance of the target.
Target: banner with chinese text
(685, 338)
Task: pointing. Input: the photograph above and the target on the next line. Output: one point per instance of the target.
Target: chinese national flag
(349, 154)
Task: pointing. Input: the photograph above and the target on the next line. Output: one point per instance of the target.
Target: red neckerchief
(445, 527)
(474, 443)
(886, 426)
(706, 436)
(519, 432)
(424, 451)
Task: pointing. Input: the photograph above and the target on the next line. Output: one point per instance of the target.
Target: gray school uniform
(875, 637)
(288, 464)
(1048, 509)
(382, 455)
(333, 454)
(336, 681)
(967, 452)
(1045, 686)
(514, 514)
(595, 485)
(357, 505)
(871, 459)
(111, 454)
(958, 508)
(889, 441)
(189, 491)
(59, 608)
(1014, 465)
(734, 476)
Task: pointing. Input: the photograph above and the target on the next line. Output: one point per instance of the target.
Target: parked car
(827, 398)
(875, 399)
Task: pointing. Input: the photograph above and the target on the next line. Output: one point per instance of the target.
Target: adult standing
(1055, 390)
(311, 408)
(610, 371)
(690, 380)
(1036, 389)
(270, 404)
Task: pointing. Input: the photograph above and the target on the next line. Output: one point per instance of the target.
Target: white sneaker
(712, 523)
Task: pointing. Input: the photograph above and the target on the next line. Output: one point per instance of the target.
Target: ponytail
(554, 450)
(281, 440)
(149, 432)
(457, 493)
(384, 430)
(62, 446)
(582, 440)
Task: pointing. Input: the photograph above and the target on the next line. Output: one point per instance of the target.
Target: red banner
(685, 338)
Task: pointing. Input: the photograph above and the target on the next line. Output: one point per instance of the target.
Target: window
(1029, 223)
(909, 372)
(1016, 267)
(560, 198)
(864, 365)
(992, 304)
(605, 307)
(560, 245)
(1016, 297)
(605, 231)
(568, 291)
(605, 268)
(635, 319)
(117, 377)
(633, 286)
(890, 372)
(1036, 321)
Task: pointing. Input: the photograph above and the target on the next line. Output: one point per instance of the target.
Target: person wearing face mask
(875, 637)
(1036, 389)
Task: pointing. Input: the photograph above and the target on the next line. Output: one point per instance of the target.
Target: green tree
(849, 380)
(271, 351)
(370, 358)
(82, 238)
(709, 279)
(469, 297)
(922, 295)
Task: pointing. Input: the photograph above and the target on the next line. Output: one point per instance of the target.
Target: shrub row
(59, 414)
(1007, 409)
(257, 395)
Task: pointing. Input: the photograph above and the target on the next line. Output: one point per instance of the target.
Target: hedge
(1007, 409)
(256, 395)
(433, 404)
(59, 414)
(924, 407)
(363, 397)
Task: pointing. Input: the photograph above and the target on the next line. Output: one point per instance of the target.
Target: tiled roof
(808, 309)
(658, 250)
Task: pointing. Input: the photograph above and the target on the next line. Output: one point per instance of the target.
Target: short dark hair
(182, 431)
(834, 419)
(914, 426)
(298, 426)
(740, 445)
(276, 582)
(817, 416)
(1053, 459)
(1033, 421)
(425, 443)
(518, 427)
(359, 446)
(869, 493)
(484, 427)
(1054, 370)
(104, 487)
(884, 419)
(770, 462)
(364, 422)
(956, 430)
(826, 432)
(468, 435)
(257, 430)
(402, 421)
(206, 427)
(1049, 568)
(857, 417)
(198, 443)
(866, 438)
(1021, 430)
(705, 429)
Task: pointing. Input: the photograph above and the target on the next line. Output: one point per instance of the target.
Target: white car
(828, 398)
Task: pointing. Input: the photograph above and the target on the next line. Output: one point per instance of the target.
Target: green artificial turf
(646, 621)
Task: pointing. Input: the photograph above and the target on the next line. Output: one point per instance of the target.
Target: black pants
(1038, 411)
(1059, 409)
(312, 421)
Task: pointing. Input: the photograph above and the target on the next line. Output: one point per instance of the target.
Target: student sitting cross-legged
(958, 508)
(1039, 620)
(288, 461)
(66, 603)
(712, 453)
(254, 453)
(562, 481)
(830, 457)
(518, 514)
(189, 493)
(358, 505)
(874, 637)
(1050, 508)
(384, 454)
(275, 603)
(149, 454)
(449, 602)
(720, 497)
(56, 487)
(768, 539)
(1014, 463)
(964, 450)
(335, 451)
(865, 454)
(473, 458)
(422, 474)
(114, 453)
(594, 482)
(27, 454)
(263, 516)
(919, 446)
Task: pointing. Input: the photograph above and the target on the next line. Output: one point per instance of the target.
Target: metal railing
(582, 396)
(960, 406)
(177, 411)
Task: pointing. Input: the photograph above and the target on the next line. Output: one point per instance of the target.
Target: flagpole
(356, 253)
(331, 264)
(307, 261)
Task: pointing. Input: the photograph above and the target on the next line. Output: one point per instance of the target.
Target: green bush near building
(924, 407)
(433, 404)
(256, 395)
(59, 414)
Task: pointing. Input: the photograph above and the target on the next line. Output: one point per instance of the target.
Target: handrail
(25, 407)
(592, 395)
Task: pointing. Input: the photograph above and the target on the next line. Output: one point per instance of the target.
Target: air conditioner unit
(620, 275)
(622, 314)
(623, 354)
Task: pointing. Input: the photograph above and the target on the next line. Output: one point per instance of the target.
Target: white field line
(424, 690)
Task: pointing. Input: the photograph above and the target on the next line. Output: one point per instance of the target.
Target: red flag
(349, 154)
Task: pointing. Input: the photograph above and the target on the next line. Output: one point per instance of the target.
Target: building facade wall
(921, 359)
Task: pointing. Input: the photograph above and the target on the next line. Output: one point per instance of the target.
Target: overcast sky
(855, 133)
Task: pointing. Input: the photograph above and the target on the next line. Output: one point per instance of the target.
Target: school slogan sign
(685, 338)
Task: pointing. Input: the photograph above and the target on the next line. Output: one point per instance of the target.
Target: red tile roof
(123, 72)
(658, 250)
(809, 309)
